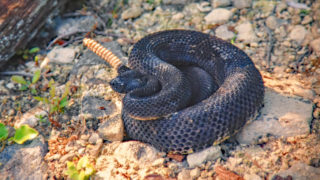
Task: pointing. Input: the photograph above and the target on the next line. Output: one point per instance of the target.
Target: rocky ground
(283, 142)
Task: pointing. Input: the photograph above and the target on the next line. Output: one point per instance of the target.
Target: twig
(18, 73)
(65, 35)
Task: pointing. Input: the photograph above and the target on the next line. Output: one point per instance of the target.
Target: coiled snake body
(168, 108)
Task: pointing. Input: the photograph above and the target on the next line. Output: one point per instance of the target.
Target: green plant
(41, 118)
(28, 52)
(3, 132)
(304, 12)
(56, 104)
(22, 134)
(82, 171)
(25, 84)
(233, 39)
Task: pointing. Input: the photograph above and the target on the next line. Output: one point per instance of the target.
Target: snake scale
(167, 107)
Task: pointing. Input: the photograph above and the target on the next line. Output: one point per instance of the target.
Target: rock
(246, 33)
(112, 129)
(272, 22)
(71, 25)
(220, 3)
(131, 12)
(96, 107)
(298, 34)
(61, 55)
(315, 46)
(30, 117)
(223, 32)
(218, 16)
(184, 175)
(306, 20)
(177, 16)
(240, 4)
(137, 152)
(300, 171)
(204, 7)
(252, 176)
(94, 138)
(208, 154)
(24, 161)
(281, 116)
(195, 173)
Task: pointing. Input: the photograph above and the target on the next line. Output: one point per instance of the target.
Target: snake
(187, 90)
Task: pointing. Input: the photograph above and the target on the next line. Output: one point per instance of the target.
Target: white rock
(132, 12)
(184, 175)
(315, 45)
(223, 33)
(220, 3)
(240, 4)
(218, 16)
(298, 33)
(281, 116)
(246, 33)
(30, 118)
(61, 55)
(252, 176)
(272, 22)
(195, 173)
(112, 129)
(138, 152)
(211, 153)
(300, 171)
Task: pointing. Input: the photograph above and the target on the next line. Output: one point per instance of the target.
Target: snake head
(127, 81)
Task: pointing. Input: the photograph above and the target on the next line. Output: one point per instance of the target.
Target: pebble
(315, 45)
(208, 154)
(298, 34)
(223, 32)
(240, 4)
(132, 12)
(177, 16)
(306, 20)
(67, 157)
(136, 152)
(246, 33)
(112, 129)
(94, 138)
(195, 173)
(61, 55)
(218, 16)
(220, 3)
(184, 175)
(272, 22)
(300, 171)
(281, 116)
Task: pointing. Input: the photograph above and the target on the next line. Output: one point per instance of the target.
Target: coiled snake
(186, 90)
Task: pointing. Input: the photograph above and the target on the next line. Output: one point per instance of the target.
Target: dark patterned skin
(161, 110)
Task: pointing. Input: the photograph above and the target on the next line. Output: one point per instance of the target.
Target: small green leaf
(24, 133)
(23, 87)
(63, 102)
(34, 50)
(34, 91)
(25, 56)
(72, 171)
(52, 90)
(36, 76)
(3, 132)
(18, 79)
